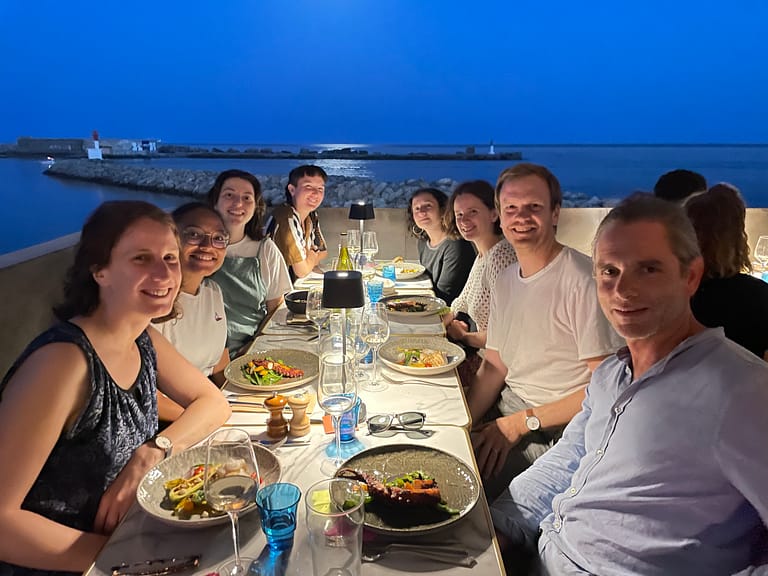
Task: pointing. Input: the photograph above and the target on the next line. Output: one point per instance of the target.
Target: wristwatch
(164, 443)
(531, 421)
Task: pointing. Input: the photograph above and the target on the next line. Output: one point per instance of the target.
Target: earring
(416, 231)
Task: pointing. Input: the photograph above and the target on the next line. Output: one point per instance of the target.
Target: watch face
(533, 423)
(164, 444)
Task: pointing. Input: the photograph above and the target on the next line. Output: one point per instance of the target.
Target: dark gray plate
(458, 485)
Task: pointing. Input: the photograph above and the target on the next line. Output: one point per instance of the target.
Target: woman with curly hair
(727, 296)
(447, 259)
(254, 276)
(78, 409)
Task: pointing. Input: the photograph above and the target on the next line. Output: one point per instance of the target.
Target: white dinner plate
(403, 270)
(151, 493)
(389, 354)
(431, 305)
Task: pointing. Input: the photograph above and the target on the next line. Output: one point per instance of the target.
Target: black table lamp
(361, 211)
(343, 289)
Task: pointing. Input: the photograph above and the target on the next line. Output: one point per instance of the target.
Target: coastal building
(50, 146)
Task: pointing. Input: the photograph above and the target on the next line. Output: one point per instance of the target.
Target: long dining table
(141, 537)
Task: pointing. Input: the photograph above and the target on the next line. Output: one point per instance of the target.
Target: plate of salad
(272, 370)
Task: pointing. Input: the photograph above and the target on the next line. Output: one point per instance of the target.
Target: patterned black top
(87, 458)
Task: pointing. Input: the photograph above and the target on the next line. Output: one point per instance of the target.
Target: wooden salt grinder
(277, 427)
(300, 421)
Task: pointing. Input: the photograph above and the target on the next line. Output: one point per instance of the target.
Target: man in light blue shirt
(665, 469)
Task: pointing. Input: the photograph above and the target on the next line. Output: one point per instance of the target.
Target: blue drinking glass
(389, 271)
(375, 290)
(277, 505)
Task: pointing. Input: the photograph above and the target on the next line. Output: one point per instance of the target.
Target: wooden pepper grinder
(277, 427)
(300, 421)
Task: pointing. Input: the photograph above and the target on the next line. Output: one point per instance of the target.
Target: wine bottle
(344, 262)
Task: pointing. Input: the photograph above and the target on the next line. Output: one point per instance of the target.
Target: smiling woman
(77, 461)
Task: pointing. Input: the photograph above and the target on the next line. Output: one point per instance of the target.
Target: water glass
(335, 515)
(277, 505)
(388, 271)
(375, 290)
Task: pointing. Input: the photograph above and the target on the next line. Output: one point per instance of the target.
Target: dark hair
(180, 212)
(481, 190)
(254, 228)
(303, 171)
(718, 216)
(525, 169)
(643, 207)
(678, 184)
(442, 202)
(101, 232)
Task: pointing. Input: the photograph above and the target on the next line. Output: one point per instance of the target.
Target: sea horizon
(606, 171)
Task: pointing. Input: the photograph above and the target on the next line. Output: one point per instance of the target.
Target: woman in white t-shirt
(472, 213)
(254, 276)
(199, 332)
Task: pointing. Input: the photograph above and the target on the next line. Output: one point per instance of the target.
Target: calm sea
(39, 208)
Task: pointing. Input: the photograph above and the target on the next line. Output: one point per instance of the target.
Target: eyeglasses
(196, 236)
(406, 421)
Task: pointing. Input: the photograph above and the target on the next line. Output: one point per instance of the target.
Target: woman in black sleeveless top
(78, 409)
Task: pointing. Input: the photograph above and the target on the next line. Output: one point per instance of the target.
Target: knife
(159, 567)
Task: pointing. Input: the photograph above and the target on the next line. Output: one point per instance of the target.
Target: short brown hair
(718, 216)
(525, 169)
(643, 207)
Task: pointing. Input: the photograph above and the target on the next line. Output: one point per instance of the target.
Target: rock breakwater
(340, 190)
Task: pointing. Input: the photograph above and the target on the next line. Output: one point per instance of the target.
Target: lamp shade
(343, 289)
(361, 211)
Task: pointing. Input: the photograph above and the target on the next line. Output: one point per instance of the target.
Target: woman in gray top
(447, 260)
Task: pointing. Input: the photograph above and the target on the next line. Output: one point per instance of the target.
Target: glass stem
(337, 427)
(375, 354)
(236, 540)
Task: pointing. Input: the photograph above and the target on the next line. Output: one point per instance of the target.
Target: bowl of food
(296, 301)
(172, 491)
(421, 355)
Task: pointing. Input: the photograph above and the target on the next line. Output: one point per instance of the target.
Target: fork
(416, 381)
(436, 553)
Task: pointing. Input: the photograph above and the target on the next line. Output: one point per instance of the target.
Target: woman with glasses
(254, 276)
(447, 260)
(78, 408)
(199, 333)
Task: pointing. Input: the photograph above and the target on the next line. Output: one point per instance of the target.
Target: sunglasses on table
(196, 236)
(402, 421)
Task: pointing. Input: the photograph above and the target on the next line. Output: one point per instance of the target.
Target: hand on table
(492, 442)
(118, 498)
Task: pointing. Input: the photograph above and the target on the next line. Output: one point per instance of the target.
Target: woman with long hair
(472, 213)
(78, 409)
(253, 277)
(727, 296)
(447, 259)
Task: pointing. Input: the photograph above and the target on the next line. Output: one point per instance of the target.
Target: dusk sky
(386, 71)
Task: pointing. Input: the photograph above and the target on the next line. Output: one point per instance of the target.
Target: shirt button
(599, 451)
(618, 409)
(573, 490)
(628, 371)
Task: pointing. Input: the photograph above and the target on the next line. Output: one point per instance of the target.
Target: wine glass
(353, 244)
(370, 246)
(375, 331)
(359, 346)
(315, 310)
(761, 251)
(231, 483)
(336, 393)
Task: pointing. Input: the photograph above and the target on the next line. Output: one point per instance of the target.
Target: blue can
(348, 422)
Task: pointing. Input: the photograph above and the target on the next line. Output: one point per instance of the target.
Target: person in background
(677, 185)
(294, 226)
(664, 470)
(199, 332)
(472, 213)
(546, 333)
(253, 278)
(726, 296)
(78, 408)
(447, 260)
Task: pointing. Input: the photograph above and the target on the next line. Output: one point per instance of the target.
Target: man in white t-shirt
(546, 333)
